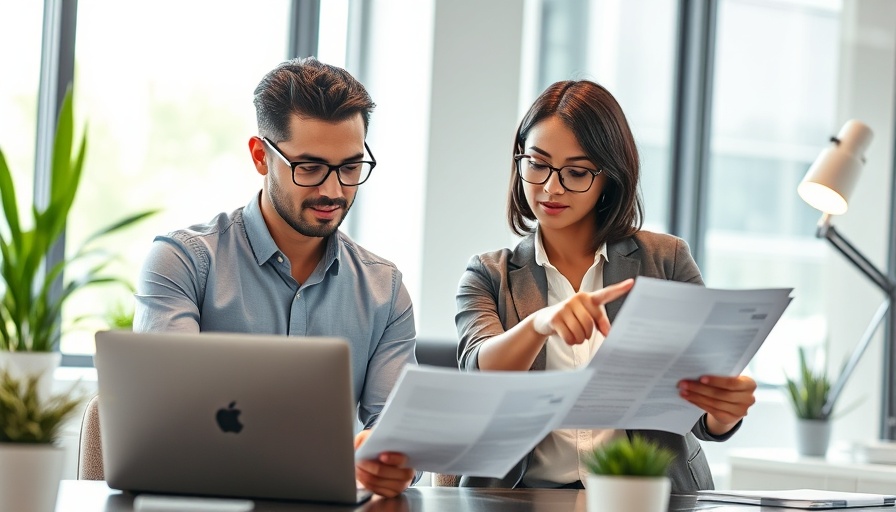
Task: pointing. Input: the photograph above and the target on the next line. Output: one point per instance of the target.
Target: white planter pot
(627, 493)
(22, 364)
(813, 437)
(29, 476)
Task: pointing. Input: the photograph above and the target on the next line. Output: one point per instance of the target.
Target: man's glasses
(313, 174)
(572, 178)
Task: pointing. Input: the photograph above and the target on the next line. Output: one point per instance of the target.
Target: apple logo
(228, 419)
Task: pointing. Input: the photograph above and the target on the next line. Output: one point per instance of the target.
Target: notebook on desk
(812, 499)
(227, 415)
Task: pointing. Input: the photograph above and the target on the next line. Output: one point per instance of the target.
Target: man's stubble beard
(284, 209)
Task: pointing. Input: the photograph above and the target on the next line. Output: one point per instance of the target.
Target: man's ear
(259, 156)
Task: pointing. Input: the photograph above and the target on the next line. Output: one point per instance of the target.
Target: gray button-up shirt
(228, 275)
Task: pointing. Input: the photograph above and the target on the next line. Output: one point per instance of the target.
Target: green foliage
(809, 392)
(25, 418)
(120, 316)
(30, 310)
(638, 457)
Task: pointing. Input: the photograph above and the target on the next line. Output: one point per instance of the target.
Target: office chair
(90, 450)
(440, 480)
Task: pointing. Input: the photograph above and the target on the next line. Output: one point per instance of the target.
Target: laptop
(227, 415)
(811, 499)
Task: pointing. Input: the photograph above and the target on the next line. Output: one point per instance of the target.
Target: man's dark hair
(308, 88)
(600, 127)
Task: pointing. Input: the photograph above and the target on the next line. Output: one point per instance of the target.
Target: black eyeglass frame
(520, 157)
(330, 168)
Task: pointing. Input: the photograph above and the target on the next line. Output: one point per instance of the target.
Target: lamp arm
(828, 231)
(857, 352)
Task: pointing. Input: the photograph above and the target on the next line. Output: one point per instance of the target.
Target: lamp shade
(830, 180)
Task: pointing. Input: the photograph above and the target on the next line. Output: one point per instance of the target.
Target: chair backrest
(90, 450)
(437, 352)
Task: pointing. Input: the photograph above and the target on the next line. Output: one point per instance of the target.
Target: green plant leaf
(8, 197)
(810, 391)
(30, 313)
(638, 457)
(25, 418)
(124, 223)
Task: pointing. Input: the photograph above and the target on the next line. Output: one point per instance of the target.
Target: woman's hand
(725, 399)
(575, 318)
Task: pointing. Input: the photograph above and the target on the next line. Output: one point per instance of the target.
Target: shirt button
(279, 259)
(298, 295)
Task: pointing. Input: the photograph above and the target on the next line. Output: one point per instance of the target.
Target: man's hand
(385, 475)
(725, 399)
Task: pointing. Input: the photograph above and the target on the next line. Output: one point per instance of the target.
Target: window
(168, 105)
(629, 48)
(20, 57)
(773, 110)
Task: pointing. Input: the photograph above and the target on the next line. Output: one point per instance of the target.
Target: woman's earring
(602, 204)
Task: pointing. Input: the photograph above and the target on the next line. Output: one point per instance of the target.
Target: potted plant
(810, 394)
(30, 309)
(628, 476)
(30, 459)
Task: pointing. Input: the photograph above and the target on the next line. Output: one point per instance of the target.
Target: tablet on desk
(812, 499)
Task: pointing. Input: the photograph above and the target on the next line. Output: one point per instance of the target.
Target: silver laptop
(228, 415)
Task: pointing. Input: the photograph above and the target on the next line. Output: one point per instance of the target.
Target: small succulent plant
(809, 392)
(635, 457)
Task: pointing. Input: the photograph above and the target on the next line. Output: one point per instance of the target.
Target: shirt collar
(541, 256)
(260, 238)
(263, 245)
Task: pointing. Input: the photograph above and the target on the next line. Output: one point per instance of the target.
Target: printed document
(667, 331)
(483, 423)
(477, 424)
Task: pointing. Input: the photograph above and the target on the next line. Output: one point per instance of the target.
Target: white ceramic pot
(29, 476)
(627, 493)
(813, 437)
(21, 364)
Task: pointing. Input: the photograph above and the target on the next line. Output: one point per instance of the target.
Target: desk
(94, 496)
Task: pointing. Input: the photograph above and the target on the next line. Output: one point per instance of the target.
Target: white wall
(467, 82)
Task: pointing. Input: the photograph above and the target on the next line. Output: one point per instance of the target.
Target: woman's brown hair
(600, 127)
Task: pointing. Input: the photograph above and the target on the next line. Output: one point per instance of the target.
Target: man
(280, 265)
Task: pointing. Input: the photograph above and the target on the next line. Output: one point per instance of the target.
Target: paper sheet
(477, 424)
(667, 331)
(483, 423)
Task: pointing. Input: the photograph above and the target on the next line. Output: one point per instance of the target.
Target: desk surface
(94, 496)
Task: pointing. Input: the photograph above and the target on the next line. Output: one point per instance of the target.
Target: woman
(540, 306)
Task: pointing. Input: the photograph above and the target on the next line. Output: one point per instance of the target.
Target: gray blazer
(501, 288)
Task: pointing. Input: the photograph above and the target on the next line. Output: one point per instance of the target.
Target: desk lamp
(827, 186)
